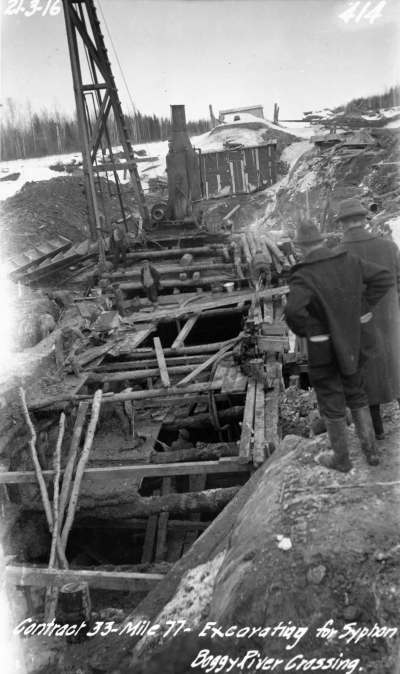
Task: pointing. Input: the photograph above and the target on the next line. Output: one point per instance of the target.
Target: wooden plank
(179, 341)
(137, 523)
(161, 363)
(54, 402)
(107, 580)
(108, 473)
(248, 422)
(132, 341)
(175, 546)
(259, 426)
(161, 546)
(137, 375)
(227, 299)
(142, 362)
(149, 539)
(272, 439)
(207, 363)
(196, 483)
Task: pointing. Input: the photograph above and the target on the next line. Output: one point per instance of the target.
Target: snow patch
(191, 600)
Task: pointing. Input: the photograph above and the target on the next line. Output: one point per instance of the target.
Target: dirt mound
(320, 179)
(40, 210)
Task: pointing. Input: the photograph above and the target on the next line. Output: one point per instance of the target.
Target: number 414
(356, 13)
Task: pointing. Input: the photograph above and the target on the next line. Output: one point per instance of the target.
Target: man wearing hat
(331, 293)
(382, 369)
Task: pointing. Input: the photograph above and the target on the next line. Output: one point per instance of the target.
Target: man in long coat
(331, 296)
(382, 369)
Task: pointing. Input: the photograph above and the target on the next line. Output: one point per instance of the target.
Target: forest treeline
(389, 99)
(27, 134)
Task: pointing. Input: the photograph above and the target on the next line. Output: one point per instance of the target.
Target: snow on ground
(37, 168)
(293, 152)
(394, 224)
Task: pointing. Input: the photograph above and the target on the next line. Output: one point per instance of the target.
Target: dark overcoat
(382, 369)
(155, 276)
(329, 292)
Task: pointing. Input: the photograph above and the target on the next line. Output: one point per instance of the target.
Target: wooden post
(51, 592)
(81, 466)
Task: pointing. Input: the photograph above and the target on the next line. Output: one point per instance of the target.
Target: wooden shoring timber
(265, 249)
(210, 361)
(251, 243)
(141, 524)
(151, 363)
(174, 252)
(149, 540)
(180, 339)
(259, 425)
(210, 501)
(196, 483)
(228, 299)
(162, 528)
(138, 375)
(245, 451)
(245, 248)
(53, 402)
(233, 414)
(169, 269)
(210, 452)
(272, 439)
(31, 576)
(165, 380)
(108, 473)
(275, 250)
(177, 283)
(161, 542)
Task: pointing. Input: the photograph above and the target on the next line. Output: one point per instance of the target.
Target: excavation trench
(138, 523)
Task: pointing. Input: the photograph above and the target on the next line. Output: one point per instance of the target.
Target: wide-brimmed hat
(349, 208)
(308, 233)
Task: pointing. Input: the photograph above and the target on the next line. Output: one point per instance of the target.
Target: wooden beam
(149, 540)
(207, 363)
(108, 473)
(259, 426)
(248, 422)
(209, 501)
(161, 544)
(106, 580)
(137, 523)
(198, 349)
(148, 362)
(184, 332)
(161, 363)
(55, 401)
(138, 375)
(272, 419)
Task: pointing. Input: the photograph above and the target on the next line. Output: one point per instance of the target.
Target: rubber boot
(365, 431)
(377, 421)
(338, 458)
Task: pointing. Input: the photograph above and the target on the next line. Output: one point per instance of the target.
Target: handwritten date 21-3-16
(31, 7)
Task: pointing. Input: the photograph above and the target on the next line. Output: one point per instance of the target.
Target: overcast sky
(299, 53)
